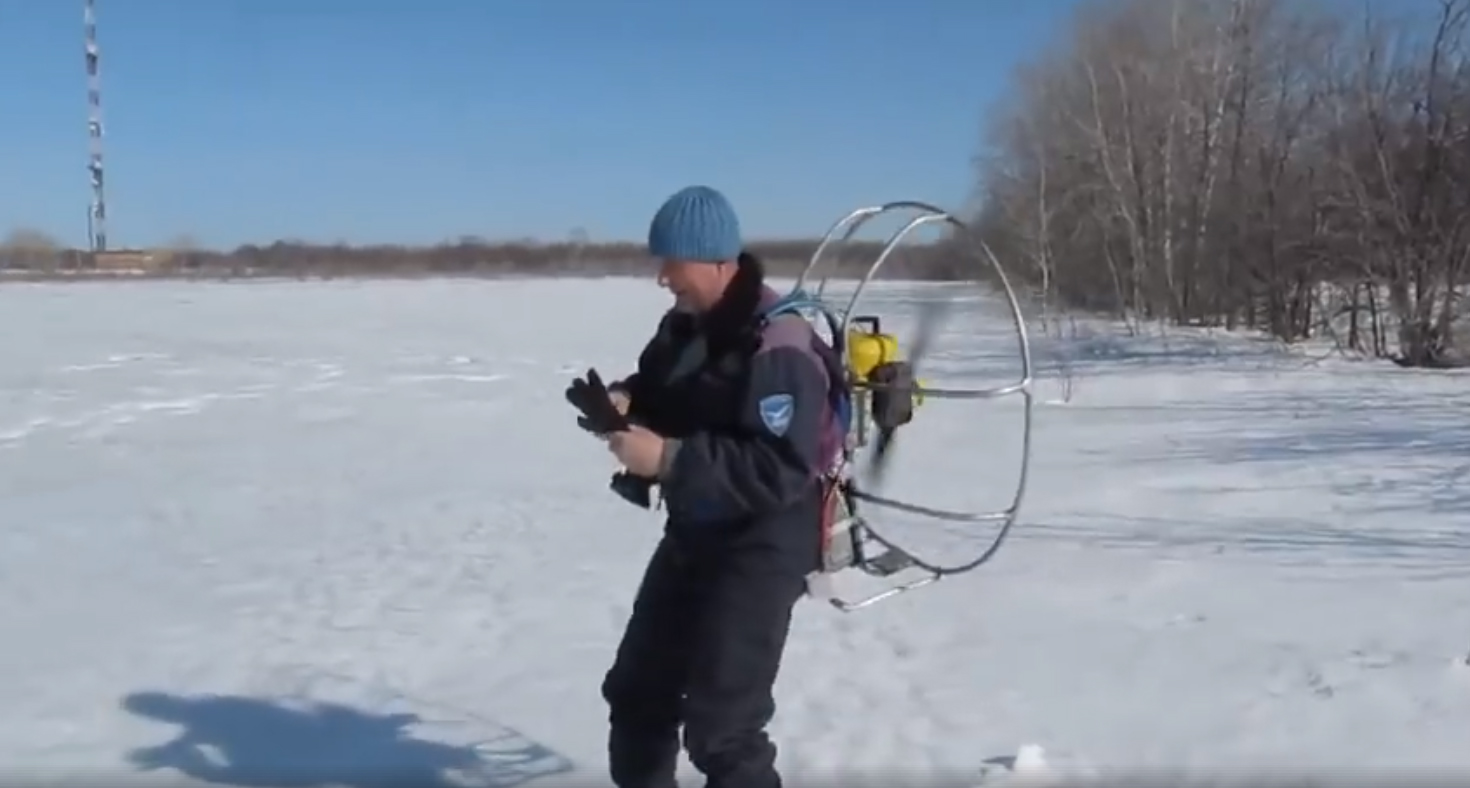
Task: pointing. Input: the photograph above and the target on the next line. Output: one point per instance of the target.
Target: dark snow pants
(702, 649)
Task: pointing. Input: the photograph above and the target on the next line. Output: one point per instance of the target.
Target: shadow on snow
(272, 743)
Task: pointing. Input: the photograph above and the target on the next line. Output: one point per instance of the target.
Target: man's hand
(640, 450)
(619, 399)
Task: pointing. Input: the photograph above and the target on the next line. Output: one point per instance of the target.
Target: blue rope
(798, 301)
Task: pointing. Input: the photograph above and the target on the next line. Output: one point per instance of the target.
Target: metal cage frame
(848, 226)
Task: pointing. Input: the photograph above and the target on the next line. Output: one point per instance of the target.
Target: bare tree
(1230, 161)
(29, 249)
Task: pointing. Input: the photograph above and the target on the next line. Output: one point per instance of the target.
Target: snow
(282, 533)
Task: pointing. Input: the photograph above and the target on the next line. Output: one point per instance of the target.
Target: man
(733, 419)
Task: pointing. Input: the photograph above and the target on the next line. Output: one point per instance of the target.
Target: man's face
(696, 286)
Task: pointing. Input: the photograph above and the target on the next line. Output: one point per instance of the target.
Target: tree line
(31, 252)
(1281, 165)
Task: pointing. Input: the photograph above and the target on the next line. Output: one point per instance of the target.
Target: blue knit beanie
(697, 223)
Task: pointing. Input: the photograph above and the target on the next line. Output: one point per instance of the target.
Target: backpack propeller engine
(886, 391)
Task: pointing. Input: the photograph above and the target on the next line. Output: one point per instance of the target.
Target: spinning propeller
(931, 317)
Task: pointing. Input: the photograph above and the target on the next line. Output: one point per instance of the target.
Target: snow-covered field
(306, 534)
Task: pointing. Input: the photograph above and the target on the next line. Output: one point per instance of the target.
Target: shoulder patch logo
(776, 411)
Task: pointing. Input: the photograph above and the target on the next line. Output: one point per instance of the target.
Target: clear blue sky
(419, 120)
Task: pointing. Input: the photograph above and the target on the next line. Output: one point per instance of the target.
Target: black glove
(633, 489)
(590, 396)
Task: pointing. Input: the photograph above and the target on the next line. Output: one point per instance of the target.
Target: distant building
(132, 259)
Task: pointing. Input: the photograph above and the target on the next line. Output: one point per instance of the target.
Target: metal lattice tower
(97, 215)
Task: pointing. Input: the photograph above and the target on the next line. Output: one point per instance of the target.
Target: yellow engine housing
(866, 350)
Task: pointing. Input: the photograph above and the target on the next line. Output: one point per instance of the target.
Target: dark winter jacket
(746, 404)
